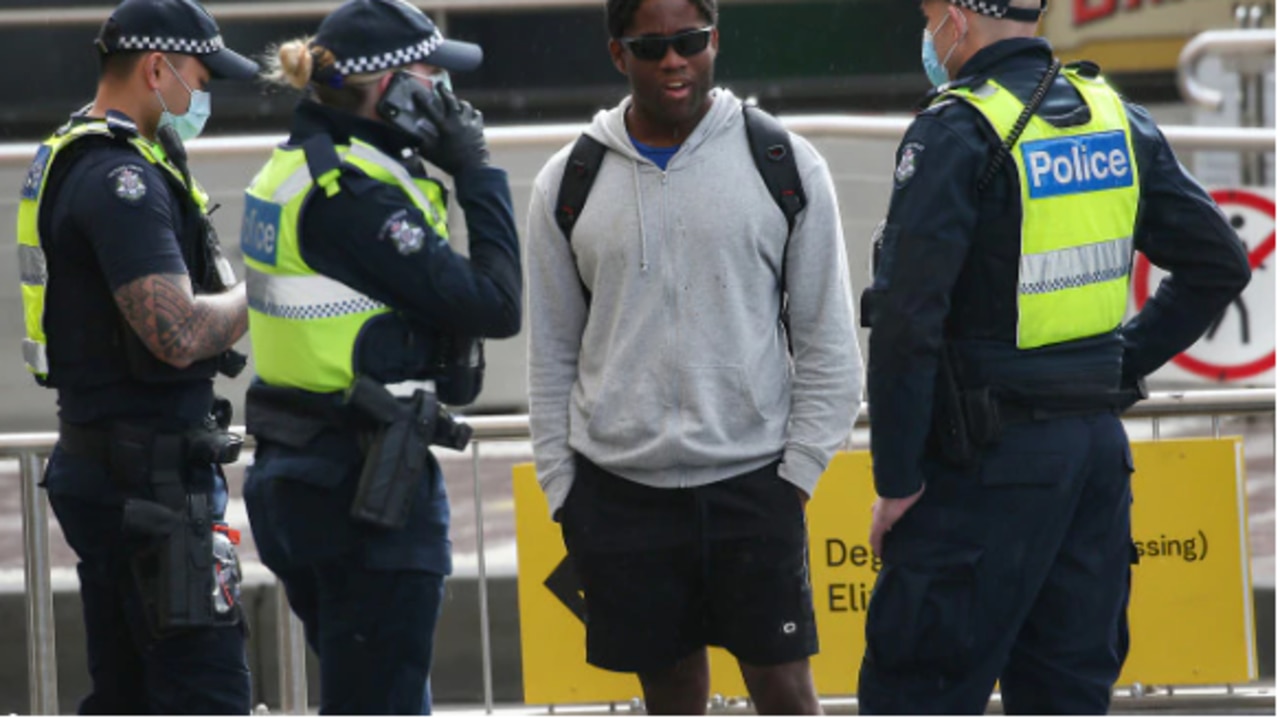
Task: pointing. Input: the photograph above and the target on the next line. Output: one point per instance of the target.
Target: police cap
(1001, 9)
(178, 26)
(368, 36)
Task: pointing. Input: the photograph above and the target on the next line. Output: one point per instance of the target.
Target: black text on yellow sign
(1191, 613)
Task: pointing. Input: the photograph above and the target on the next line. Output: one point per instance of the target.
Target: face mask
(191, 124)
(436, 81)
(933, 67)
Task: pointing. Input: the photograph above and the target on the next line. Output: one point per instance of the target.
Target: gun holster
(397, 451)
(951, 431)
(173, 566)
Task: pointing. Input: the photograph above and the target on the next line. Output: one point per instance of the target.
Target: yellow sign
(1191, 614)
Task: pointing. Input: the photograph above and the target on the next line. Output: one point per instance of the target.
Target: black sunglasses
(651, 47)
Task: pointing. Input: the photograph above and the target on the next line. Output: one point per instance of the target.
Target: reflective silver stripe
(406, 388)
(1075, 267)
(302, 298)
(398, 171)
(33, 354)
(297, 182)
(31, 265)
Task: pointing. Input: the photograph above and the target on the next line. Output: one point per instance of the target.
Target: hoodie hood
(609, 127)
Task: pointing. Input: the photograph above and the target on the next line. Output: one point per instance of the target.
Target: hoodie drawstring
(644, 240)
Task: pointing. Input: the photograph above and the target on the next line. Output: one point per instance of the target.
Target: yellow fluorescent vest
(31, 257)
(304, 325)
(1080, 196)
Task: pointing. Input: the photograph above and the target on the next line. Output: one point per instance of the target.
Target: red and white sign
(1240, 346)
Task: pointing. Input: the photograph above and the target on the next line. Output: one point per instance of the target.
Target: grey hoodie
(677, 372)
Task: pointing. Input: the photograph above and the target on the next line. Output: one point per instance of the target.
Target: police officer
(999, 361)
(130, 312)
(352, 287)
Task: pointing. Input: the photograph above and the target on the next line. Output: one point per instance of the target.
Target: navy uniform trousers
(368, 598)
(198, 672)
(1016, 570)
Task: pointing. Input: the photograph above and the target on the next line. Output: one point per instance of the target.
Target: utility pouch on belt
(396, 455)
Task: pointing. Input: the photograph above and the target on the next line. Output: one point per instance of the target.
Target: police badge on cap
(183, 27)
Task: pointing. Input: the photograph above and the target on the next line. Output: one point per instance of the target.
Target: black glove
(461, 144)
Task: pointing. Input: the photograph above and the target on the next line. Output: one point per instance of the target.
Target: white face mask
(435, 81)
(190, 124)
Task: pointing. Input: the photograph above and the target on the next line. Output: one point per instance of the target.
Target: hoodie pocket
(630, 411)
(718, 408)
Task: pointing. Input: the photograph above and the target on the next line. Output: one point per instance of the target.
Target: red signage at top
(1089, 11)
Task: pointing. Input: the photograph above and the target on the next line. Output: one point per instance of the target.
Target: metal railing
(1224, 43)
(31, 450)
(1260, 140)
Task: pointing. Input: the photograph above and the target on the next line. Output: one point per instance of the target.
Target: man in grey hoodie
(678, 426)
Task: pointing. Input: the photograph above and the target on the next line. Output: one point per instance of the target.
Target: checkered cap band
(998, 9)
(180, 45)
(991, 9)
(388, 60)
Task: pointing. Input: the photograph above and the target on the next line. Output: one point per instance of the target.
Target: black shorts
(666, 572)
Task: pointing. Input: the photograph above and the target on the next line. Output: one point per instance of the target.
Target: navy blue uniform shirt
(108, 217)
(949, 263)
(351, 238)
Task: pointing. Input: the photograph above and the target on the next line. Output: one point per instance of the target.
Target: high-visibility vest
(33, 268)
(303, 324)
(1079, 196)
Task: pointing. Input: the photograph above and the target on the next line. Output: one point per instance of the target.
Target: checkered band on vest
(388, 60)
(181, 45)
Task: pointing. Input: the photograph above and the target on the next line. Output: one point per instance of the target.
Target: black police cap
(374, 35)
(1001, 9)
(178, 26)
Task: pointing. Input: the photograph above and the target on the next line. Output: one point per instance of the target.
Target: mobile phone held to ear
(403, 105)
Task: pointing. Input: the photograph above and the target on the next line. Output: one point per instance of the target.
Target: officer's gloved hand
(461, 145)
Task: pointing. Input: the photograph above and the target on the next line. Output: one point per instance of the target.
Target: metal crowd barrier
(862, 127)
(31, 450)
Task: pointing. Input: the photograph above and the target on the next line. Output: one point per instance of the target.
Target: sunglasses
(650, 47)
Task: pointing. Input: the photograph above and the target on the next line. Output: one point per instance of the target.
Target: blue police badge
(406, 234)
(126, 182)
(907, 165)
(35, 173)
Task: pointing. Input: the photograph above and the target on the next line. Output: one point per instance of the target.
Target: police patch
(126, 182)
(907, 165)
(406, 234)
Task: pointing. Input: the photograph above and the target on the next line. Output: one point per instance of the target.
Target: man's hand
(885, 513)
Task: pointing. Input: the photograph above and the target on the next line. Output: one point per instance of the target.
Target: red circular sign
(1142, 291)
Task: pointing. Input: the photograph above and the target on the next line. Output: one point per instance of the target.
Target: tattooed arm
(178, 327)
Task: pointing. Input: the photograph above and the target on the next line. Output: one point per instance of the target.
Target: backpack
(770, 149)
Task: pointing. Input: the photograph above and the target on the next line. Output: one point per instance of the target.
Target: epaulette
(927, 102)
(1084, 68)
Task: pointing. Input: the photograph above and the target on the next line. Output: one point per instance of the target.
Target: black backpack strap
(776, 162)
(579, 175)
